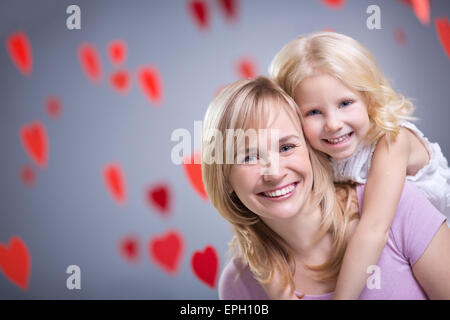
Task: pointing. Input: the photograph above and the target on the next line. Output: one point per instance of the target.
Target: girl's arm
(382, 194)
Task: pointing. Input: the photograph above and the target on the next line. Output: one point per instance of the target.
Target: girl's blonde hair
(349, 61)
(244, 104)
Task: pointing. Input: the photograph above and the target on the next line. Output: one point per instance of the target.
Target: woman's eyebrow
(288, 137)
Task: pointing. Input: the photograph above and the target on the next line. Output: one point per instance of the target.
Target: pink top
(414, 226)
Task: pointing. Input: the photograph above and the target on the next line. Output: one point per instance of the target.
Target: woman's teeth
(340, 139)
(280, 192)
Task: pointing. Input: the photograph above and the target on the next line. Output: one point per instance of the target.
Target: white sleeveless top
(433, 179)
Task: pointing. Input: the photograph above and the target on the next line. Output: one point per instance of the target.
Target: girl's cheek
(311, 130)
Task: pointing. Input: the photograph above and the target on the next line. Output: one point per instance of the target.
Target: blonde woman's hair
(349, 61)
(244, 104)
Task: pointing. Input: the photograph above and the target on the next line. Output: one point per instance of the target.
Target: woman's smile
(281, 193)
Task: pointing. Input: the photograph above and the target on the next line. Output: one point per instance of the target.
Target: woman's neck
(300, 233)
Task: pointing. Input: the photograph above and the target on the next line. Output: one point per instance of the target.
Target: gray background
(69, 217)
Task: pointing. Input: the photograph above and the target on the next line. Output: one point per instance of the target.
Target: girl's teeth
(339, 140)
(281, 192)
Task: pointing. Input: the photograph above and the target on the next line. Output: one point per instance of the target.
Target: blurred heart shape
(334, 4)
(205, 265)
(199, 11)
(15, 262)
(117, 51)
(229, 8)
(160, 198)
(443, 30)
(246, 68)
(120, 81)
(166, 251)
(422, 10)
(115, 182)
(28, 176)
(193, 171)
(151, 84)
(35, 142)
(90, 62)
(20, 51)
(53, 107)
(129, 248)
(400, 36)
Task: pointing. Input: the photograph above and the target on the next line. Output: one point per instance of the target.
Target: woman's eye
(346, 103)
(312, 112)
(287, 147)
(251, 158)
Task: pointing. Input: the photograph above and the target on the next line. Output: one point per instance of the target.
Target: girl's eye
(346, 103)
(287, 147)
(312, 112)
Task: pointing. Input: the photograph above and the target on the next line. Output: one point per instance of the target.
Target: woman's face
(275, 192)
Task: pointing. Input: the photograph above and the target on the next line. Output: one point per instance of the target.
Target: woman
(290, 228)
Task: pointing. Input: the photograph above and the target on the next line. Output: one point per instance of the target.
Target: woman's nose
(271, 169)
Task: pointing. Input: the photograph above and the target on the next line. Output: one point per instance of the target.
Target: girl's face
(335, 118)
(275, 194)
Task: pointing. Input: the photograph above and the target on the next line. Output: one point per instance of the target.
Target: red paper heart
(15, 262)
(246, 68)
(151, 83)
(35, 141)
(422, 10)
(90, 62)
(205, 265)
(443, 30)
(199, 11)
(20, 52)
(53, 107)
(115, 182)
(117, 50)
(129, 248)
(160, 198)
(400, 36)
(166, 251)
(229, 8)
(28, 176)
(120, 81)
(334, 4)
(193, 170)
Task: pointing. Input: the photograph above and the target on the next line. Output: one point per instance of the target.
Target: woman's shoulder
(410, 198)
(236, 282)
(415, 222)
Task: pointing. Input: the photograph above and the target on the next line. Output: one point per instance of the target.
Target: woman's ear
(228, 188)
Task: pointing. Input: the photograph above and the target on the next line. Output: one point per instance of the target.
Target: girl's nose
(333, 123)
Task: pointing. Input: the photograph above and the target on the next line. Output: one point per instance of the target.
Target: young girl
(351, 113)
